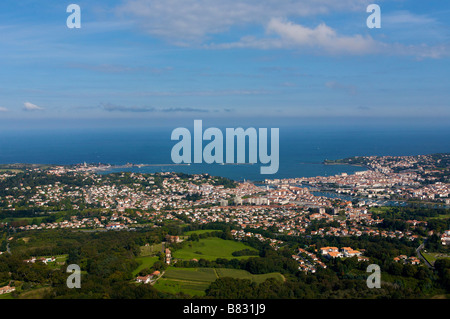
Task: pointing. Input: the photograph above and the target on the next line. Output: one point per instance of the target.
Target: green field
(146, 262)
(429, 257)
(35, 293)
(151, 250)
(191, 274)
(210, 249)
(243, 274)
(60, 260)
(445, 216)
(201, 231)
(191, 281)
(194, 281)
(147, 257)
(192, 288)
(6, 296)
(432, 257)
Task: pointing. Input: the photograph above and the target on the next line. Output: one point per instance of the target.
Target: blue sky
(171, 60)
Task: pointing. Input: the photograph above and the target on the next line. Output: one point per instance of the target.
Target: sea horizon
(302, 149)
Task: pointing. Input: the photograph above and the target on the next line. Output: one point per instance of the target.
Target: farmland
(210, 249)
(147, 257)
(146, 262)
(201, 231)
(194, 281)
(432, 257)
(151, 250)
(242, 274)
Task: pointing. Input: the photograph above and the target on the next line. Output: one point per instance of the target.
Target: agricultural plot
(191, 274)
(432, 257)
(194, 281)
(191, 288)
(210, 249)
(242, 274)
(151, 250)
(6, 296)
(201, 231)
(146, 262)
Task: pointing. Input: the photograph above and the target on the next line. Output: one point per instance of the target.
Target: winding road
(419, 254)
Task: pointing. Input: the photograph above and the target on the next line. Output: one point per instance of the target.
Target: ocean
(302, 149)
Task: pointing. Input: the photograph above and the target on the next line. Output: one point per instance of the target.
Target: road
(421, 257)
(154, 282)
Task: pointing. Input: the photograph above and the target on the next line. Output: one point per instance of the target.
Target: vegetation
(210, 249)
(209, 262)
(196, 281)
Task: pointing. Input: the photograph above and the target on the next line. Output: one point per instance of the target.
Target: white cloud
(283, 34)
(31, 107)
(3, 109)
(194, 22)
(186, 21)
(320, 38)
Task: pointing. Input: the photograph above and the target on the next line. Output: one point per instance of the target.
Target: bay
(302, 149)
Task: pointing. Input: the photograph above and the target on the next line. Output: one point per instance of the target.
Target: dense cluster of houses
(334, 252)
(387, 176)
(407, 260)
(104, 222)
(308, 261)
(241, 234)
(292, 219)
(282, 205)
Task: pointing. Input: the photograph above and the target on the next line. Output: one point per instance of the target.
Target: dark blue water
(302, 149)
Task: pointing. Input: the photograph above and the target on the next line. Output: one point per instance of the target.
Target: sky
(167, 61)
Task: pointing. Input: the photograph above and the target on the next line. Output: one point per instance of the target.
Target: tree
(442, 267)
(194, 237)
(409, 270)
(395, 268)
(231, 288)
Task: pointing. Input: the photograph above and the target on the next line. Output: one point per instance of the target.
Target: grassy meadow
(210, 249)
(194, 281)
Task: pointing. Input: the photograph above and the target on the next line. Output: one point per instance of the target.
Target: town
(275, 213)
